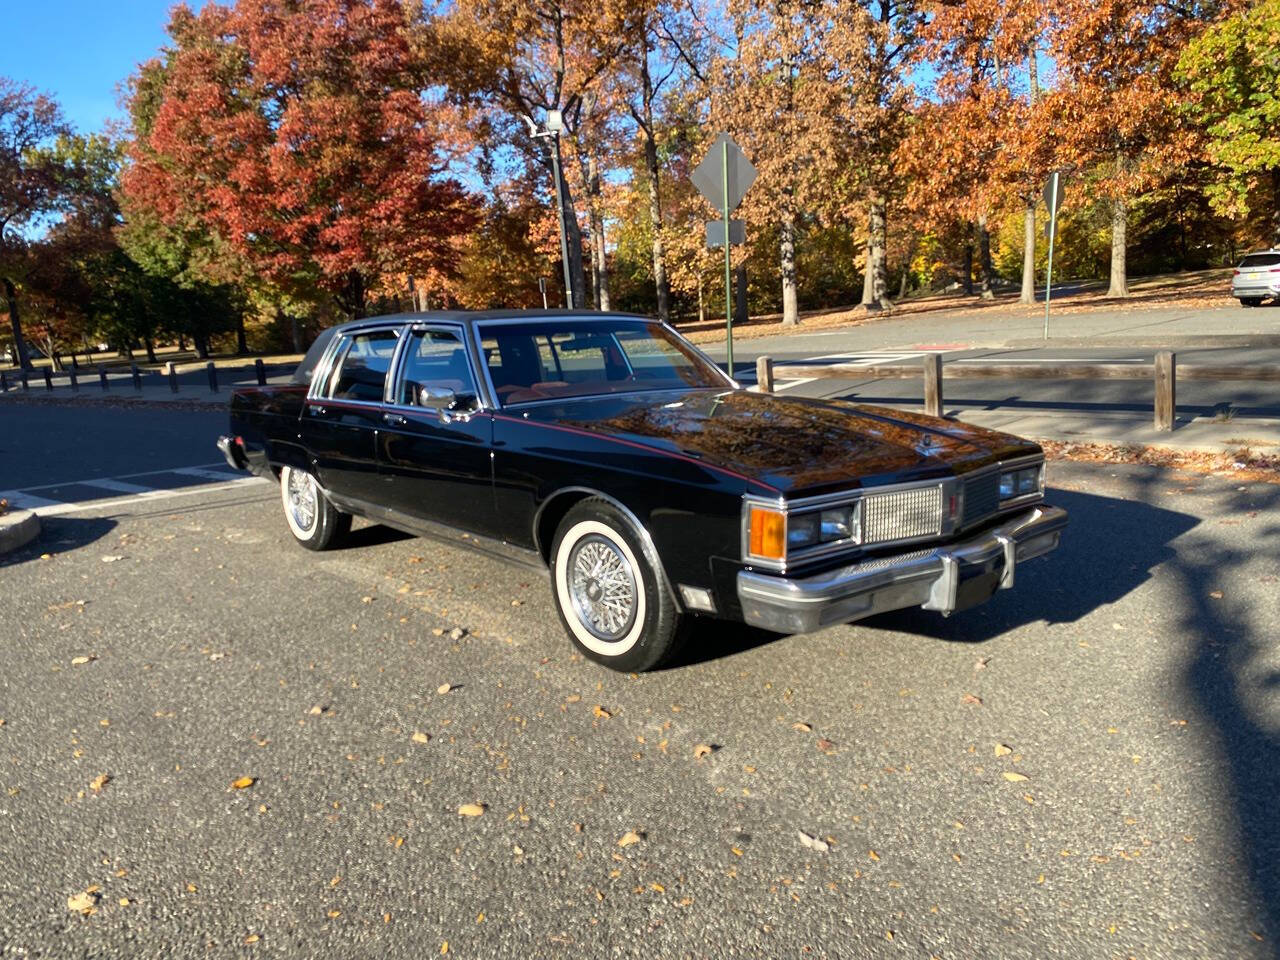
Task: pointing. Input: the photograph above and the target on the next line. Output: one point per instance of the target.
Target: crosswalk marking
(128, 488)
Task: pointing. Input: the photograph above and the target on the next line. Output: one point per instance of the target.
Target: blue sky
(80, 51)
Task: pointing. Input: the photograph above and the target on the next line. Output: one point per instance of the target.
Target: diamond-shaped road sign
(715, 233)
(709, 175)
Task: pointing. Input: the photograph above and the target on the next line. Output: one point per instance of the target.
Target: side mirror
(442, 398)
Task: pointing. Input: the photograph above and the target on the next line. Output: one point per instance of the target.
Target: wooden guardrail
(1163, 373)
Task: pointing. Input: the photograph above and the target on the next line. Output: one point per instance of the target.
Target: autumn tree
(299, 136)
(1231, 73)
(1114, 106)
(507, 60)
(32, 186)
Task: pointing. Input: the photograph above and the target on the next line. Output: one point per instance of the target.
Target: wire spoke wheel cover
(301, 496)
(600, 588)
(603, 587)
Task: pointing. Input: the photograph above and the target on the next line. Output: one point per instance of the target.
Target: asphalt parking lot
(1086, 767)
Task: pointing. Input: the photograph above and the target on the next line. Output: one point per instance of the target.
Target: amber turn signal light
(768, 534)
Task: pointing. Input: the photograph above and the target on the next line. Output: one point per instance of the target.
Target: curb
(17, 530)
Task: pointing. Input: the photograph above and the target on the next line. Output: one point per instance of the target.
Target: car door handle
(394, 419)
(318, 411)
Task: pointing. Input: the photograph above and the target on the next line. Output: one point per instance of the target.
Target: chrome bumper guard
(946, 578)
(234, 455)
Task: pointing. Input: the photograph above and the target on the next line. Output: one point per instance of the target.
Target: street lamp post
(555, 123)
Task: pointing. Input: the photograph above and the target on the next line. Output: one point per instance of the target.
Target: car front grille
(902, 514)
(981, 497)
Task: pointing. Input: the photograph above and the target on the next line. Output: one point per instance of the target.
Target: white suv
(1257, 278)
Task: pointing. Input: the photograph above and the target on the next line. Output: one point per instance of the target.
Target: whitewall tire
(313, 520)
(610, 598)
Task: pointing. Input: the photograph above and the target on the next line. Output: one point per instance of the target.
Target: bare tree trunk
(295, 334)
(15, 325)
(573, 237)
(740, 293)
(150, 344)
(1119, 276)
(968, 260)
(874, 282)
(902, 283)
(1029, 252)
(651, 167)
(599, 265)
(984, 254)
(790, 308)
(242, 345)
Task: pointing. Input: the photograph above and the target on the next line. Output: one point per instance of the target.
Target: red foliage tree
(299, 133)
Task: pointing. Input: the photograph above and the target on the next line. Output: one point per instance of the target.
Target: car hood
(792, 445)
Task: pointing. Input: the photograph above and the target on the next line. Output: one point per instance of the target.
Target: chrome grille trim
(902, 515)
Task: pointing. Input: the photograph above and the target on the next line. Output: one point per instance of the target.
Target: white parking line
(117, 486)
(858, 359)
(48, 508)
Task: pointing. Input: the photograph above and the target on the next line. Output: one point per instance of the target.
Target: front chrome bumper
(946, 578)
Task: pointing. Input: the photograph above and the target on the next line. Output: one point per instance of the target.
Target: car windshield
(556, 359)
(1260, 260)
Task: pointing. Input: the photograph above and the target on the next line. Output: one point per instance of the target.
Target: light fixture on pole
(555, 124)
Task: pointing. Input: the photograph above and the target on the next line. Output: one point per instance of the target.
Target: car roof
(469, 317)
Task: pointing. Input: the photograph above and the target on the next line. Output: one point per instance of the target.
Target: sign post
(1053, 200)
(722, 178)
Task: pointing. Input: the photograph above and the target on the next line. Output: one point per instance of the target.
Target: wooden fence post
(102, 378)
(261, 371)
(764, 374)
(75, 384)
(1166, 390)
(137, 377)
(932, 384)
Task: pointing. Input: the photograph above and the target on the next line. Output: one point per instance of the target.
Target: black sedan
(657, 491)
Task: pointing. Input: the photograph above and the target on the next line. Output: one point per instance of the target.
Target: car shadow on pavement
(1109, 549)
(60, 535)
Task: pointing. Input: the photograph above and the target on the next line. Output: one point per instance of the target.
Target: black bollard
(213, 376)
(173, 377)
(102, 379)
(137, 377)
(261, 371)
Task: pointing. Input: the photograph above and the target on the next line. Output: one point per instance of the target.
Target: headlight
(1021, 483)
(802, 530)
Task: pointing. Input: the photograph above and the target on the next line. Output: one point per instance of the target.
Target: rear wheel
(610, 597)
(313, 520)
(1251, 301)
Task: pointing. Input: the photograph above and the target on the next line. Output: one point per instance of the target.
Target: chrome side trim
(440, 532)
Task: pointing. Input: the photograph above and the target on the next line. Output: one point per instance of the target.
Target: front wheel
(1251, 301)
(612, 601)
(313, 520)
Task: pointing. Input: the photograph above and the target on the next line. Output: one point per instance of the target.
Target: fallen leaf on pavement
(86, 903)
(600, 712)
(702, 750)
(243, 783)
(981, 664)
(98, 782)
(366, 599)
(420, 737)
(1014, 777)
(873, 855)
(471, 810)
(970, 698)
(111, 558)
(813, 843)
(77, 661)
(1002, 751)
(1216, 594)
(629, 838)
(801, 726)
(444, 688)
(251, 939)
(824, 744)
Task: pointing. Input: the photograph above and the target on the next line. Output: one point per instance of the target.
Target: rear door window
(361, 366)
(1260, 260)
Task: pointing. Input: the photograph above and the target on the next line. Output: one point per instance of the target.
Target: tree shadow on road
(60, 535)
(1109, 549)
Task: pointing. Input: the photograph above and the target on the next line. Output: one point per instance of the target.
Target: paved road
(1139, 703)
